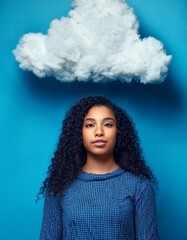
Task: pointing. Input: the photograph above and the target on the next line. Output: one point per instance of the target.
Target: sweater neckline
(99, 177)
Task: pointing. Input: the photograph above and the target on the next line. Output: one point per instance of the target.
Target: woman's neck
(100, 165)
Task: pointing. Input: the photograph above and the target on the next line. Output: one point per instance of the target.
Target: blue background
(32, 110)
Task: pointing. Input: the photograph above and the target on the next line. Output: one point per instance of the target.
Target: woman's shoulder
(136, 182)
(131, 176)
(51, 198)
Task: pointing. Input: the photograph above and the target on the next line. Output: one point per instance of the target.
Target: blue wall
(32, 110)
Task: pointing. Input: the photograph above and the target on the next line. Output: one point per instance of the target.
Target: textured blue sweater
(111, 206)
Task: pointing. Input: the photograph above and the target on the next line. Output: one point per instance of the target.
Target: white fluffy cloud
(98, 40)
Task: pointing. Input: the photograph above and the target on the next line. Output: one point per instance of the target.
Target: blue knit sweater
(111, 206)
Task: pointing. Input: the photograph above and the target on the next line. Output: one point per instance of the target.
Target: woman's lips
(99, 143)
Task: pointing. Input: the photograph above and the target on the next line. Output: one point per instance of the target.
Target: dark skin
(99, 138)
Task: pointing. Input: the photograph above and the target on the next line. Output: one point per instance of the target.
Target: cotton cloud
(97, 41)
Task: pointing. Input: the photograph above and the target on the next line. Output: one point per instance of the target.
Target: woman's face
(99, 131)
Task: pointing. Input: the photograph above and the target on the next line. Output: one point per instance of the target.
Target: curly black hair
(70, 155)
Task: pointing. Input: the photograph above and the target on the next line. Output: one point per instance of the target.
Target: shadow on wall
(162, 98)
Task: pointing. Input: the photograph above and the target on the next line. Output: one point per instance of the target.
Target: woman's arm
(145, 212)
(52, 219)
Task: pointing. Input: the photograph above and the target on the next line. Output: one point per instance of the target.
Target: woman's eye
(90, 125)
(108, 124)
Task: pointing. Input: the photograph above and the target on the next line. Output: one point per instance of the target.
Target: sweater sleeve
(52, 219)
(145, 212)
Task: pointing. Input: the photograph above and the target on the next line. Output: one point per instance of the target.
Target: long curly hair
(70, 155)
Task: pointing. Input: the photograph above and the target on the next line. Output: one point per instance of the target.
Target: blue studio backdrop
(32, 110)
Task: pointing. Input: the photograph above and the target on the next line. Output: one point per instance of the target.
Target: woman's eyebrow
(104, 119)
(109, 119)
(89, 119)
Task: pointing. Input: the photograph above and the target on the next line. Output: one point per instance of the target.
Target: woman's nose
(99, 132)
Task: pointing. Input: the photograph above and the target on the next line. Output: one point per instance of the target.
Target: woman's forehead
(100, 112)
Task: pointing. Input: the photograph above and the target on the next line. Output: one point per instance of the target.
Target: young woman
(98, 185)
